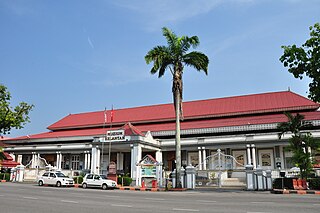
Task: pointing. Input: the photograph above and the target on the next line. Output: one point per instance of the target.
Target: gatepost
(268, 180)
(250, 178)
(173, 175)
(190, 177)
(20, 173)
(182, 177)
(260, 182)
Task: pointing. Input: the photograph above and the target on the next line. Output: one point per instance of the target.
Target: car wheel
(40, 183)
(84, 185)
(104, 186)
(58, 184)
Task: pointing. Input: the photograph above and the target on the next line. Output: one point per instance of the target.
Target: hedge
(78, 179)
(283, 183)
(126, 180)
(5, 176)
(314, 183)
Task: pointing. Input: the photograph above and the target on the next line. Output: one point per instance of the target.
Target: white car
(99, 181)
(55, 178)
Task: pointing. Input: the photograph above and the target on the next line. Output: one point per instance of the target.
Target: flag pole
(111, 120)
(102, 146)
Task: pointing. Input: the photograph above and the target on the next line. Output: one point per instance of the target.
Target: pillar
(254, 157)
(200, 158)
(120, 161)
(260, 181)
(250, 178)
(95, 160)
(249, 154)
(59, 160)
(159, 156)
(204, 166)
(89, 160)
(136, 155)
(85, 160)
(19, 160)
(190, 177)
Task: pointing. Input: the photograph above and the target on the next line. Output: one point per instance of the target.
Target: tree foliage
(301, 143)
(305, 61)
(12, 117)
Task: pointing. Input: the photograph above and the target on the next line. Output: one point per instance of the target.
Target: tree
(175, 57)
(12, 117)
(305, 60)
(301, 142)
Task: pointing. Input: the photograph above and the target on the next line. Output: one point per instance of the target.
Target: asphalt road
(16, 198)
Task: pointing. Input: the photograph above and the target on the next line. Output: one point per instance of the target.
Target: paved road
(16, 198)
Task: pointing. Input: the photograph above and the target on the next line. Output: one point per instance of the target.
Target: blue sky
(80, 56)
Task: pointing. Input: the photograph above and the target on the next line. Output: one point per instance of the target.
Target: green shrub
(314, 183)
(5, 176)
(126, 180)
(283, 183)
(78, 179)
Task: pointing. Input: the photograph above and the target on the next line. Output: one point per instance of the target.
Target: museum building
(244, 127)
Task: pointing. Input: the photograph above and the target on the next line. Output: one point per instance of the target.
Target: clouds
(159, 13)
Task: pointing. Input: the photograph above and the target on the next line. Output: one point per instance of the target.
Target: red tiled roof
(220, 107)
(131, 130)
(8, 161)
(170, 126)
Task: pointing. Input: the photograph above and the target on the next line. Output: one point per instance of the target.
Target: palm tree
(175, 57)
(300, 142)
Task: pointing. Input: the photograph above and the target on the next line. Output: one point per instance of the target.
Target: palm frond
(197, 60)
(172, 38)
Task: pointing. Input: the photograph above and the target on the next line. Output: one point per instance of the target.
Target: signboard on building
(115, 135)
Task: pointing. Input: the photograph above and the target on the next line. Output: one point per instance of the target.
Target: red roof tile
(170, 126)
(220, 107)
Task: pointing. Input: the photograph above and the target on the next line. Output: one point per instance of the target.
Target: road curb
(141, 189)
(300, 192)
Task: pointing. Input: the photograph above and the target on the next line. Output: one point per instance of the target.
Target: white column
(89, 161)
(136, 155)
(200, 158)
(254, 161)
(85, 160)
(119, 161)
(98, 161)
(204, 166)
(19, 159)
(33, 160)
(93, 160)
(159, 156)
(58, 160)
(249, 154)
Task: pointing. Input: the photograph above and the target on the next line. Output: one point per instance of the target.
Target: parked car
(98, 181)
(55, 178)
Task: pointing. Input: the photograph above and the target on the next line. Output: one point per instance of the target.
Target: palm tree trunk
(178, 144)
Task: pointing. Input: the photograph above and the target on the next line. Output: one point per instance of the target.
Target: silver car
(55, 178)
(98, 181)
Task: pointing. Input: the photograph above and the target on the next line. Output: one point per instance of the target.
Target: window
(52, 175)
(75, 159)
(45, 174)
(90, 177)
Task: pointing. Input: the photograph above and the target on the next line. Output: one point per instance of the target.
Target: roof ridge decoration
(130, 130)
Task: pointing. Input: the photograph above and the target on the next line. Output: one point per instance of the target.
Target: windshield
(60, 175)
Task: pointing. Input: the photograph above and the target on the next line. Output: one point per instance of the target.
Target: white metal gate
(219, 167)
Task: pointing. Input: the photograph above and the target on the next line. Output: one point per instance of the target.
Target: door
(266, 159)
(51, 179)
(241, 158)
